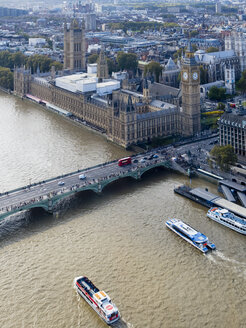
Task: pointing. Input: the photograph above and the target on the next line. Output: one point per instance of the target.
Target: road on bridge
(62, 184)
(42, 191)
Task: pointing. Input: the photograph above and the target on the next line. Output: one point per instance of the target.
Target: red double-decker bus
(124, 161)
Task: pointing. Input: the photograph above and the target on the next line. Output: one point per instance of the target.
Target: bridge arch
(49, 204)
(151, 167)
(118, 178)
(25, 208)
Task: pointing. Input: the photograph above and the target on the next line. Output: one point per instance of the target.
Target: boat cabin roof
(223, 211)
(105, 302)
(101, 297)
(190, 232)
(88, 285)
(186, 228)
(236, 220)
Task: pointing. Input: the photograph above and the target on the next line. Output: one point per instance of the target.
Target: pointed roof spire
(170, 66)
(83, 24)
(189, 55)
(129, 104)
(189, 48)
(145, 84)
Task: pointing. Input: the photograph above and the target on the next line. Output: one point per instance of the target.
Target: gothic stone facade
(126, 117)
(236, 41)
(190, 81)
(74, 46)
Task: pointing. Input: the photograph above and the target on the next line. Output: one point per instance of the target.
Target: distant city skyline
(30, 4)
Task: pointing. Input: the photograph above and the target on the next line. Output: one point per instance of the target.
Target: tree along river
(118, 239)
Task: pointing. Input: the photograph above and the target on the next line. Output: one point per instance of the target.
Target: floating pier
(233, 191)
(208, 199)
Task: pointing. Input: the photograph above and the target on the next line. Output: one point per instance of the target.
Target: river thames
(118, 239)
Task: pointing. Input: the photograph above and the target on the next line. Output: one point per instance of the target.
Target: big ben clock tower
(190, 83)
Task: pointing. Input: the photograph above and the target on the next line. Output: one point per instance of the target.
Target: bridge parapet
(50, 201)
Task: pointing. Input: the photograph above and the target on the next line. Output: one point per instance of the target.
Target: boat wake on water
(211, 257)
(218, 255)
(227, 259)
(122, 323)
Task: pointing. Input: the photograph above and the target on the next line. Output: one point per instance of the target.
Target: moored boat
(97, 299)
(195, 238)
(228, 219)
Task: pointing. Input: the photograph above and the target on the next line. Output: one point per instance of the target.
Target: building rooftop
(213, 57)
(162, 105)
(233, 120)
(132, 93)
(170, 66)
(234, 185)
(202, 193)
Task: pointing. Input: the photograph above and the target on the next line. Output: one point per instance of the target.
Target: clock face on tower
(185, 76)
(195, 76)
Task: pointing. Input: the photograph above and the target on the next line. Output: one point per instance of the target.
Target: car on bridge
(82, 176)
(61, 183)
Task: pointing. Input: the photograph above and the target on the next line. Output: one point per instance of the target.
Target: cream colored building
(126, 117)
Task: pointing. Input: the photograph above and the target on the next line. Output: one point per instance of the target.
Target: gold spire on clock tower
(190, 84)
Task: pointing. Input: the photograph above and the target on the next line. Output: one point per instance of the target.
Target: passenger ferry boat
(193, 237)
(228, 219)
(97, 299)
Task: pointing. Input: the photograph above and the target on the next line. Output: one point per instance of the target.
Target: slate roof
(170, 66)
(233, 120)
(163, 90)
(212, 57)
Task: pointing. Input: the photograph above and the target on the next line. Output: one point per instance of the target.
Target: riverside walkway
(47, 194)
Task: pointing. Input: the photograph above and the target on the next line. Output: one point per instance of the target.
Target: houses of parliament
(126, 117)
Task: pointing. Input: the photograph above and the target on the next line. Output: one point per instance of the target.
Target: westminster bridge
(50, 193)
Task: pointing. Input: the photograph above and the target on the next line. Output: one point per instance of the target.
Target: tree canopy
(224, 156)
(10, 60)
(221, 106)
(112, 66)
(6, 78)
(136, 26)
(216, 93)
(154, 68)
(241, 84)
(7, 59)
(93, 58)
(193, 33)
(127, 61)
(212, 49)
(203, 75)
(43, 62)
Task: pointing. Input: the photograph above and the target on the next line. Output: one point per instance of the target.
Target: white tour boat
(228, 219)
(97, 299)
(189, 234)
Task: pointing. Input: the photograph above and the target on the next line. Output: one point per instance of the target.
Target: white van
(82, 176)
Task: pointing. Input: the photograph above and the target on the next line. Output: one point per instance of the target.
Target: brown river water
(118, 239)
